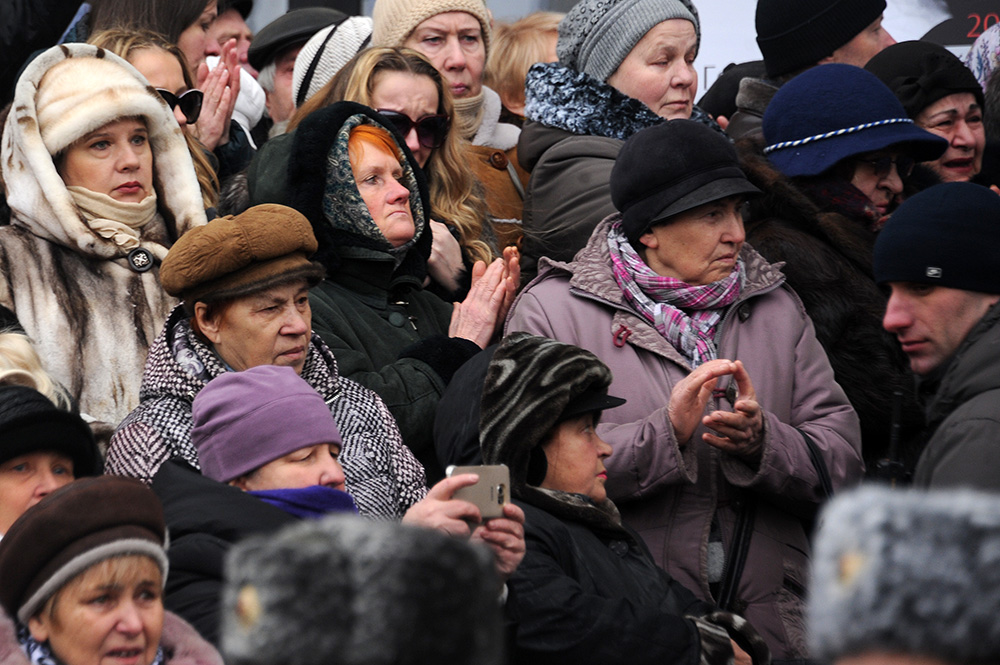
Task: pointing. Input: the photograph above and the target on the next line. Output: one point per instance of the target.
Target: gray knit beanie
(347, 591)
(907, 572)
(597, 35)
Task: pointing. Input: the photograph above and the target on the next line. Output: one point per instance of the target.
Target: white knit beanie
(597, 35)
(394, 20)
(79, 95)
(327, 52)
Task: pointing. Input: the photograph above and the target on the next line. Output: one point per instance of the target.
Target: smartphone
(491, 493)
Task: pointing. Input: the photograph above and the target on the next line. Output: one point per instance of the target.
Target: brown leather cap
(241, 254)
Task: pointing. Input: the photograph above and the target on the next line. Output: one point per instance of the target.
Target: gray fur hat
(907, 572)
(346, 591)
(597, 35)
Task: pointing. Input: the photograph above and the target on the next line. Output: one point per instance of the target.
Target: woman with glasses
(837, 152)
(351, 174)
(100, 184)
(163, 65)
(410, 93)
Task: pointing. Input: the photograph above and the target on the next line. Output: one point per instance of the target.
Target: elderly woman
(838, 148)
(266, 432)
(943, 97)
(100, 183)
(360, 187)
(244, 282)
(44, 448)
(623, 65)
(588, 590)
(81, 578)
(728, 390)
(455, 36)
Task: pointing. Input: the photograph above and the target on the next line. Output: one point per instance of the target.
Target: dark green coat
(392, 337)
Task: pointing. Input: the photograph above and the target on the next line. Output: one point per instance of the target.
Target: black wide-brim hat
(670, 168)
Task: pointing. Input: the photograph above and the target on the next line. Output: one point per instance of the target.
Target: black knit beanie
(30, 422)
(946, 235)
(794, 34)
(920, 73)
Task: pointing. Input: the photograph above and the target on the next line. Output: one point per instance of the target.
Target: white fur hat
(62, 95)
(325, 54)
(78, 95)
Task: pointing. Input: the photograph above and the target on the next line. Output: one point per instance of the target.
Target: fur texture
(343, 591)
(91, 316)
(907, 573)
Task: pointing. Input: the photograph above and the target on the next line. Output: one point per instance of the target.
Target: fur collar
(307, 182)
(754, 95)
(560, 97)
(783, 200)
(493, 133)
(37, 195)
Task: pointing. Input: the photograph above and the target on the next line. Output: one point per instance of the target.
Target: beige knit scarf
(468, 115)
(117, 221)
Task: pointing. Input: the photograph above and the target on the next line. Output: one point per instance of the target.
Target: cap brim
(814, 158)
(655, 210)
(590, 403)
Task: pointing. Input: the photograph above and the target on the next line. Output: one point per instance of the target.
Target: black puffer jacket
(828, 262)
(205, 518)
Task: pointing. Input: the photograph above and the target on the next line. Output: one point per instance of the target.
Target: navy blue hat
(835, 111)
(947, 235)
(670, 168)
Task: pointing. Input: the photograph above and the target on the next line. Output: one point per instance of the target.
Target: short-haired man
(796, 35)
(273, 54)
(939, 255)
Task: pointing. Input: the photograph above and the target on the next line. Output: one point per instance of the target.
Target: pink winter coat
(669, 494)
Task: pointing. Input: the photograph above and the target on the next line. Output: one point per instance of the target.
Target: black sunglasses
(190, 103)
(882, 165)
(431, 129)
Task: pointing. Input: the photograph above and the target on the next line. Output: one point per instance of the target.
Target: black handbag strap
(818, 464)
(736, 557)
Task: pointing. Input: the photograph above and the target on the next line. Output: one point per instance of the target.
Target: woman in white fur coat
(100, 183)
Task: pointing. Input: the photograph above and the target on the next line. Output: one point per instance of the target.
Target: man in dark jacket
(939, 254)
(796, 35)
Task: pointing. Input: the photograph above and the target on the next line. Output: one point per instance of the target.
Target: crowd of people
(259, 293)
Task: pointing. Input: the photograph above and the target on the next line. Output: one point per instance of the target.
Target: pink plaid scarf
(665, 301)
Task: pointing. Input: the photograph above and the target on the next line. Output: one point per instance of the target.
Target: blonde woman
(410, 93)
(163, 65)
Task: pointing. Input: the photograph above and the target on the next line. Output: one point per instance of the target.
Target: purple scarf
(665, 301)
(309, 502)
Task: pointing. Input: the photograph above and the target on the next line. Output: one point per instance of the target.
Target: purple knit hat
(243, 420)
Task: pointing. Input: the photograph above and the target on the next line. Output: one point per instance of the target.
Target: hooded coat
(671, 494)
(91, 314)
(587, 590)
(575, 127)
(387, 332)
(382, 474)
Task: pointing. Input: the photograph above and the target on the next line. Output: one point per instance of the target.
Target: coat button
(498, 160)
(619, 547)
(397, 319)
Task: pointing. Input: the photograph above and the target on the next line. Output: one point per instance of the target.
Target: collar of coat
(563, 98)
(179, 361)
(591, 276)
(971, 371)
